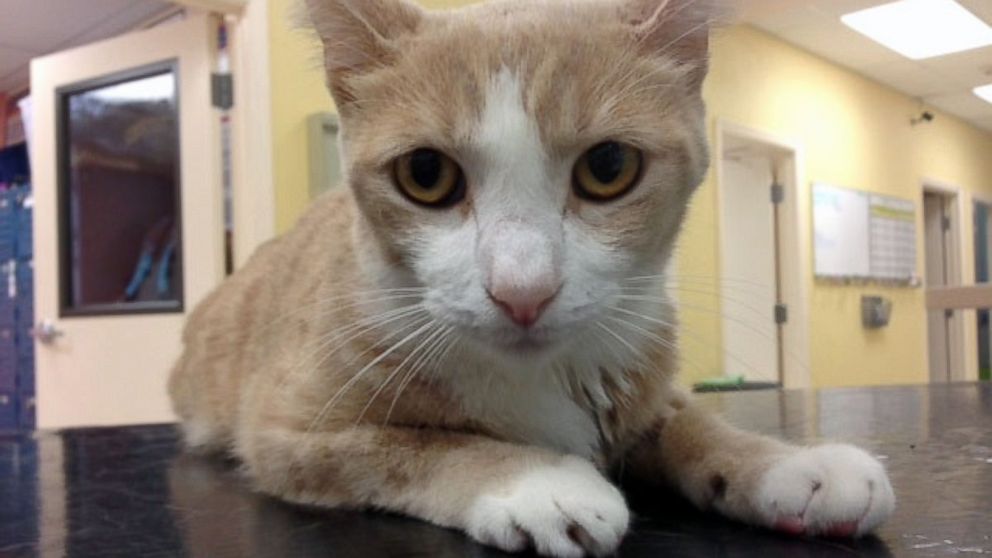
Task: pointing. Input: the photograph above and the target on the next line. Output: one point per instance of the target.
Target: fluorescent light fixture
(985, 92)
(920, 29)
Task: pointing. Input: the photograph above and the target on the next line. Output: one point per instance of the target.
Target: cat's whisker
(429, 336)
(698, 308)
(735, 300)
(388, 296)
(424, 360)
(685, 334)
(770, 337)
(358, 375)
(635, 352)
(329, 350)
(442, 358)
(666, 279)
(354, 379)
(363, 327)
(609, 343)
(358, 299)
(370, 320)
(676, 295)
(323, 342)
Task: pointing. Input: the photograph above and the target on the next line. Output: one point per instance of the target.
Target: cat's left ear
(677, 29)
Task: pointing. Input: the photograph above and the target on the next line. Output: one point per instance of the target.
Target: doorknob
(46, 332)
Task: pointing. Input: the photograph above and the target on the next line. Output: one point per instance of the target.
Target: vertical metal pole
(776, 231)
(223, 100)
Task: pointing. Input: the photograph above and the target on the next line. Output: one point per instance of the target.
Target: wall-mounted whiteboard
(863, 236)
(840, 232)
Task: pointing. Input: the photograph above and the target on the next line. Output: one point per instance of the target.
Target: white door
(936, 276)
(748, 269)
(945, 329)
(983, 274)
(128, 218)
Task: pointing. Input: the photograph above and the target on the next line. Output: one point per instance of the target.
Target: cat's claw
(566, 510)
(833, 490)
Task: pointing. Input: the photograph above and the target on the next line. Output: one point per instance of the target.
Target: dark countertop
(130, 492)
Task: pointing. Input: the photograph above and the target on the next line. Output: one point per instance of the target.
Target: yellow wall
(855, 133)
(297, 92)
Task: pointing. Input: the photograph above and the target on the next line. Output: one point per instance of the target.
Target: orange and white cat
(475, 332)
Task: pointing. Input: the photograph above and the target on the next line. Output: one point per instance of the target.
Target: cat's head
(522, 160)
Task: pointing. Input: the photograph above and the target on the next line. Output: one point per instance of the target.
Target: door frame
(986, 200)
(254, 198)
(252, 161)
(59, 378)
(795, 264)
(964, 332)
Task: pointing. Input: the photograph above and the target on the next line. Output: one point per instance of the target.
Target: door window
(119, 184)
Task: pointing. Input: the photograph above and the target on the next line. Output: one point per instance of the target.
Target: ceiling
(945, 82)
(30, 28)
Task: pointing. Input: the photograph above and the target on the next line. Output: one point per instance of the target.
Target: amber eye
(429, 177)
(607, 171)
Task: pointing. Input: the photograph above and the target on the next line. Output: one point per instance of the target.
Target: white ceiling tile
(764, 10)
(981, 8)
(11, 59)
(794, 14)
(39, 25)
(834, 41)
(16, 81)
(30, 28)
(970, 68)
(837, 8)
(135, 13)
(911, 78)
(966, 105)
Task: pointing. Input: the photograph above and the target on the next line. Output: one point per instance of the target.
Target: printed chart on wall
(893, 238)
(863, 236)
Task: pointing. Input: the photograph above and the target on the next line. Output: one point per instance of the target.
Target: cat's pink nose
(523, 305)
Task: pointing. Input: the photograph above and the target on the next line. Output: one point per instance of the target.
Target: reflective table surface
(132, 492)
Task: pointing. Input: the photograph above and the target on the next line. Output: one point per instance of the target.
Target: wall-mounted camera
(925, 117)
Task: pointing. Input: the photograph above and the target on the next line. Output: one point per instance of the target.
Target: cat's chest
(534, 410)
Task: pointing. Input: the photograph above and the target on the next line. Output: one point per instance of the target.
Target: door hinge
(948, 314)
(222, 91)
(781, 314)
(778, 193)
(946, 223)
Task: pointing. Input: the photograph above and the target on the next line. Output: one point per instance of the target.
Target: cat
(474, 332)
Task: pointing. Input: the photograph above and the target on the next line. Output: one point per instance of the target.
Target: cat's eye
(607, 171)
(429, 177)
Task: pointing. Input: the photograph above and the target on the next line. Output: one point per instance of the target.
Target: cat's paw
(565, 510)
(834, 490)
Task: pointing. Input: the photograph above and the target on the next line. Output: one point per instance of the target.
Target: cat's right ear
(359, 35)
(677, 29)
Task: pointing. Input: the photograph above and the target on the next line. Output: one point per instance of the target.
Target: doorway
(757, 185)
(128, 221)
(945, 328)
(983, 274)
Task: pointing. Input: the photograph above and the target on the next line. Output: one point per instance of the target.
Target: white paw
(835, 490)
(566, 510)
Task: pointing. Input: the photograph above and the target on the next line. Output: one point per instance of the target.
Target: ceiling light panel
(919, 29)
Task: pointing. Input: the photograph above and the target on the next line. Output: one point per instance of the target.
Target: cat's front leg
(832, 490)
(504, 495)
